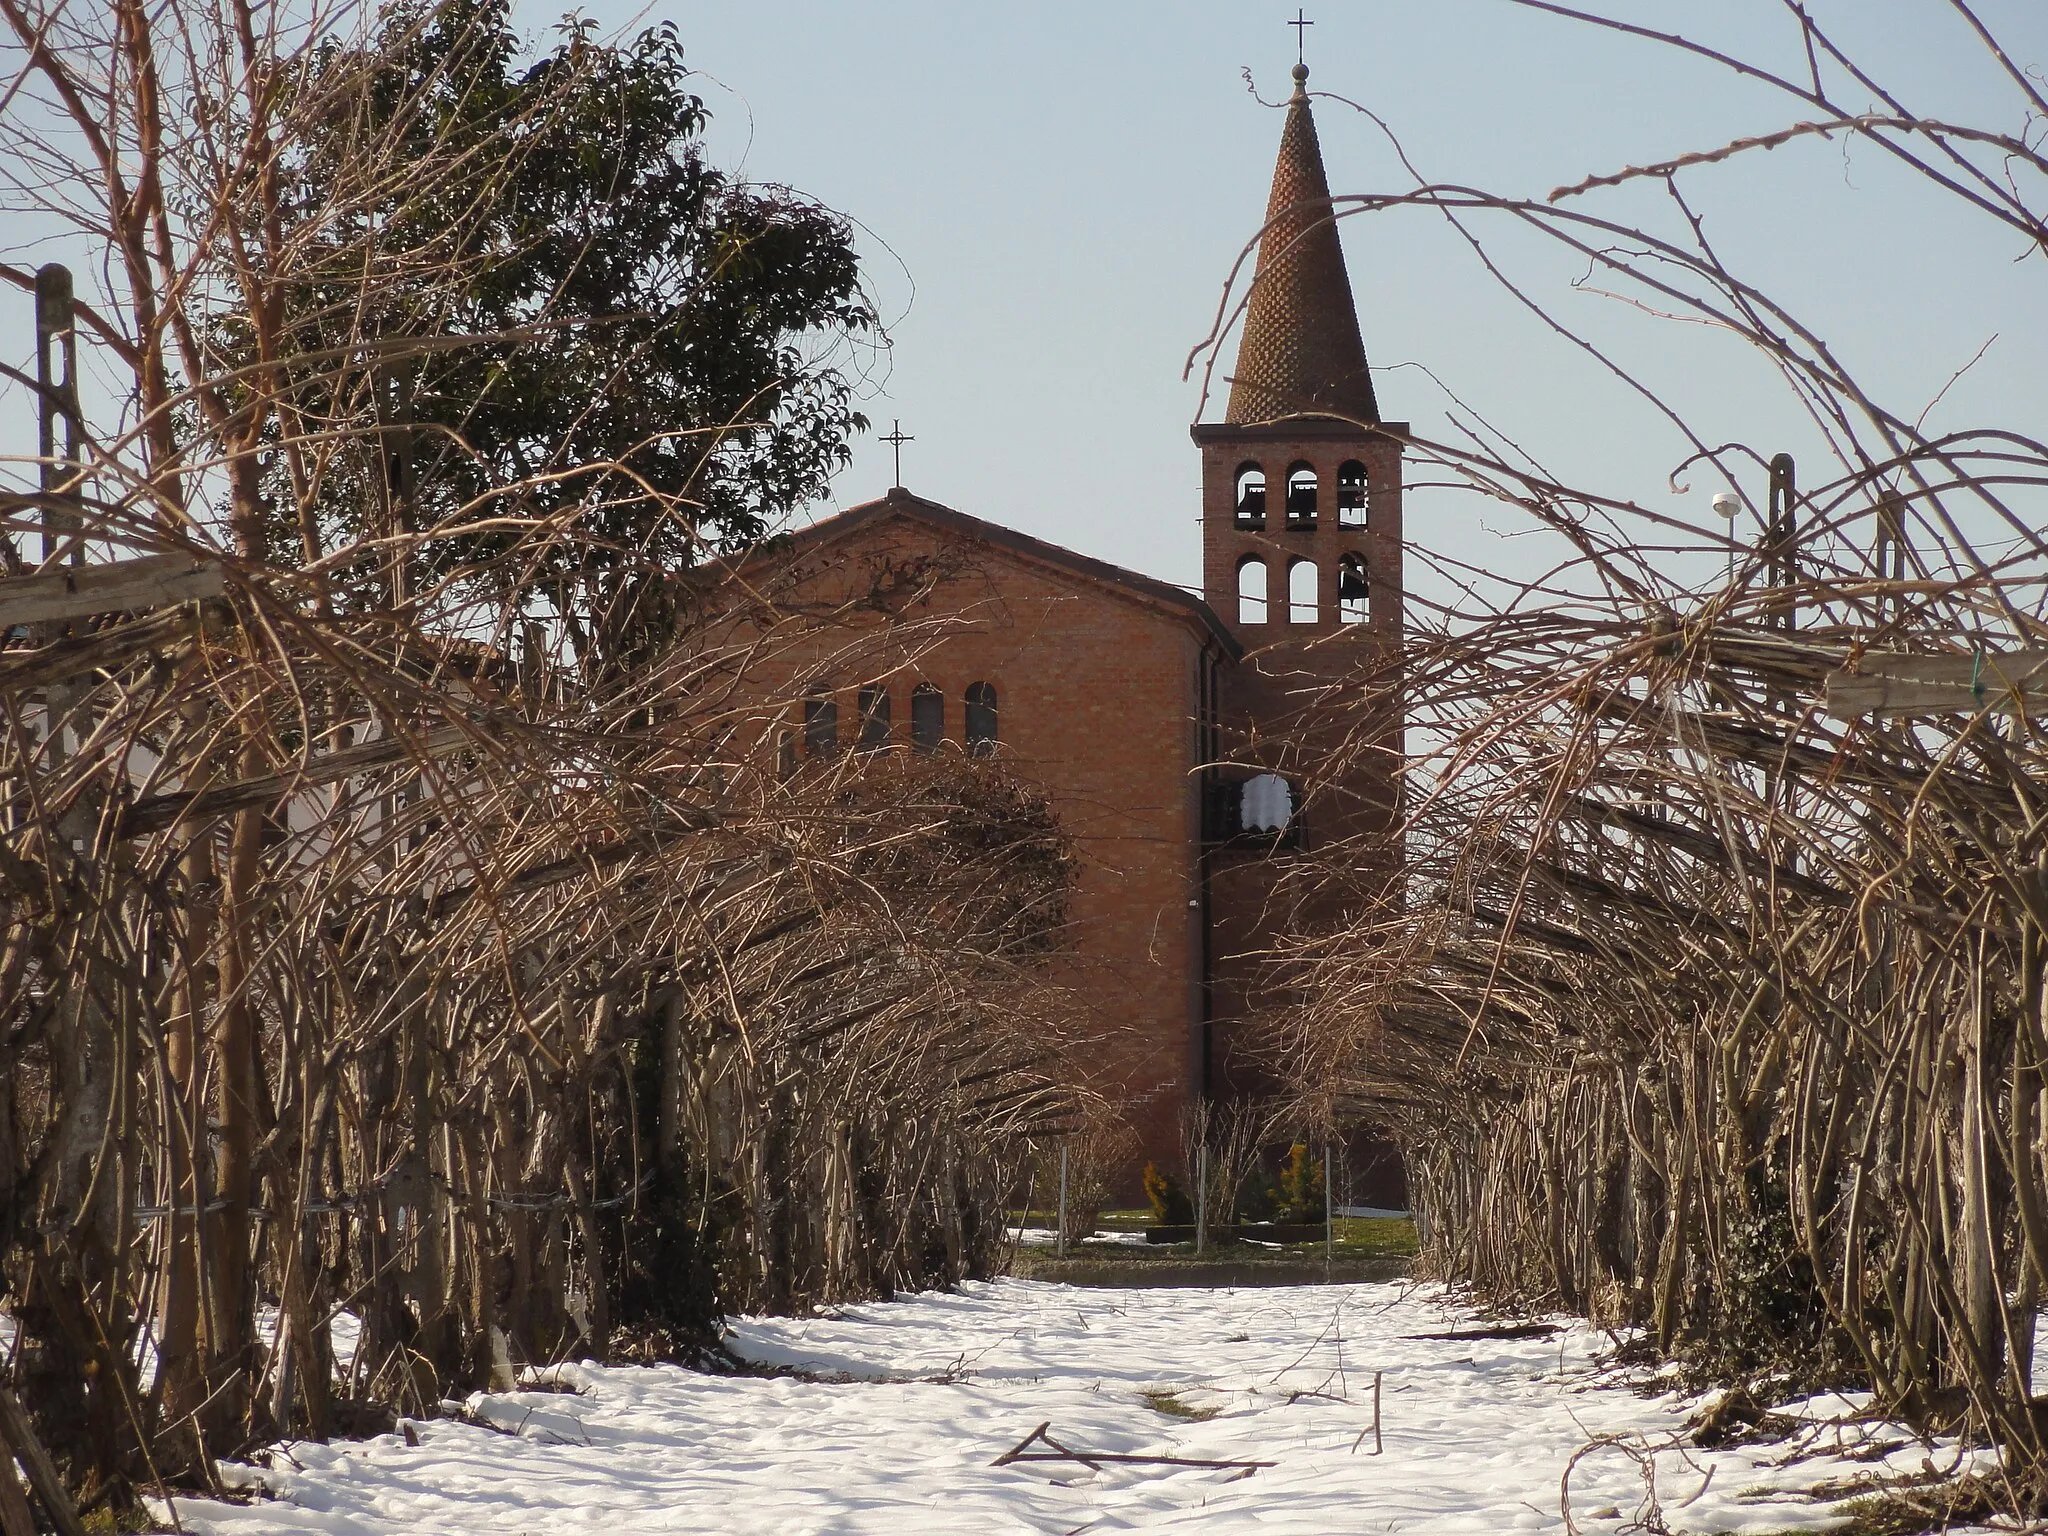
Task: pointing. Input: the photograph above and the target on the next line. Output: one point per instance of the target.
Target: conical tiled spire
(1300, 352)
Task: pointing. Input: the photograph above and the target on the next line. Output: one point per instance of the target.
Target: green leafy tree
(570, 314)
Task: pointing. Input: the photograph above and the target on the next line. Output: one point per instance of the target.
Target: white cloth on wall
(1266, 805)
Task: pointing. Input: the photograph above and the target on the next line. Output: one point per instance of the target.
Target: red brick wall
(1325, 446)
(1099, 697)
(1263, 699)
(1097, 701)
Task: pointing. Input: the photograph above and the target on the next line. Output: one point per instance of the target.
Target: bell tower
(1301, 559)
(1301, 481)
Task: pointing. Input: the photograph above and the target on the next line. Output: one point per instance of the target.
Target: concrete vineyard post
(1062, 1236)
(1329, 1221)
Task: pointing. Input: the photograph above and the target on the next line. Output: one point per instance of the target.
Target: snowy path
(1476, 1431)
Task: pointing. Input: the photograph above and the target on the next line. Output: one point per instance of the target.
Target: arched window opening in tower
(1351, 494)
(981, 720)
(927, 718)
(1352, 590)
(1301, 495)
(821, 724)
(1251, 590)
(1301, 592)
(785, 752)
(1251, 496)
(1265, 804)
(874, 718)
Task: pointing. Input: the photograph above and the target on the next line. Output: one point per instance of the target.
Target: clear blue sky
(1053, 194)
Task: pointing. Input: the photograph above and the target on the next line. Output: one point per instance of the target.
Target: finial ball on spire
(1300, 74)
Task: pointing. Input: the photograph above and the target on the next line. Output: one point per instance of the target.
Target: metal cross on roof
(1301, 24)
(896, 439)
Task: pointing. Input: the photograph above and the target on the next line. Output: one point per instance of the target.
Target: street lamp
(1729, 505)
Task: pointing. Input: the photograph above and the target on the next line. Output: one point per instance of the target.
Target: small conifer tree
(1170, 1204)
(1301, 1184)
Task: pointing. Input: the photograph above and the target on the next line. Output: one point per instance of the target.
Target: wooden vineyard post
(16, 1518)
(19, 1438)
(1893, 687)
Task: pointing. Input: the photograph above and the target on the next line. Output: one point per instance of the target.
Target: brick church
(1160, 721)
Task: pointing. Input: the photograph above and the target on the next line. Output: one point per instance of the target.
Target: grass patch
(1376, 1237)
(120, 1524)
(1905, 1509)
(1357, 1237)
(1107, 1221)
(1174, 1406)
(1897, 1514)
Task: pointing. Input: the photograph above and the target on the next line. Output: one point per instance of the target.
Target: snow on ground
(908, 1404)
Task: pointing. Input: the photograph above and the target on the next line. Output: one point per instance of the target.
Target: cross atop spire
(1301, 24)
(1300, 354)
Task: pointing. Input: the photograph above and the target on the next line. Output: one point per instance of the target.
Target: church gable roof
(1148, 591)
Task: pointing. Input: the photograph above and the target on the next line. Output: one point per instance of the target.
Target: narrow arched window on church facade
(1251, 496)
(981, 719)
(1351, 494)
(927, 718)
(1352, 590)
(1301, 495)
(1251, 590)
(785, 752)
(821, 724)
(1301, 592)
(874, 718)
